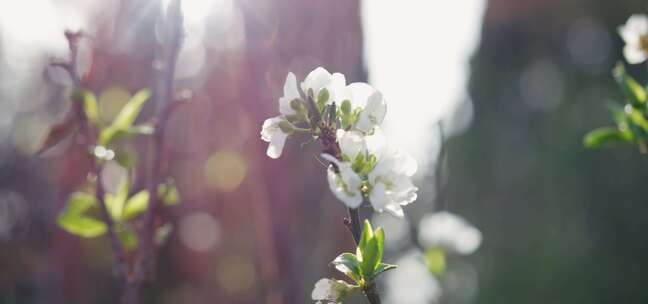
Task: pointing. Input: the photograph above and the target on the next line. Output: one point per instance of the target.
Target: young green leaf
(81, 225)
(136, 204)
(382, 268)
(367, 233)
(73, 220)
(604, 136)
(632, 89)
(371, 255)
(348, 264)
(125, 118)
(115, 202)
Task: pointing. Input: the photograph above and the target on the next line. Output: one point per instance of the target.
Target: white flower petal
(275, 148)
(373, 113)
(634, 54)
(345, 185)
(322, 290)
(291, 93)
(316, 80)
(329, 290)
(351, 143)
(395, 210)
(360, 93)
(378, 196)
(376, 143)
(270, 132)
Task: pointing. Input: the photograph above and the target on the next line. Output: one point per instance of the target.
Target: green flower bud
(286, 127)
(346, 107)
(322, 98)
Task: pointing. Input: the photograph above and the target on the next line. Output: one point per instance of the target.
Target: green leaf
(115, 202)
(73, 220)
(80, 225)
(604, 136)
(136, 205)
(372, 253)
(348, 264)
(383, 267)
(632, 89)
(379, 236)
(126, 159)
(168, 193)
(129, 112)
(367, 234)
(125, 118)
(79, 202)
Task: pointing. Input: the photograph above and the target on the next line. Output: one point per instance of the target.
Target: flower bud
(286, 127)
(346, 107)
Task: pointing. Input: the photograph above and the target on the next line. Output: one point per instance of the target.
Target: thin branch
(118, 251)
(85, 129)
(163, 94)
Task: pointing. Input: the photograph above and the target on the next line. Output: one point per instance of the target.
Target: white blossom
(291, 92)
(411, 282)
(372, 104)
(351, 143)
(391, 182)
(345, 183)
(330, 291)
(635, 34)
(449, 232)
(320, 78)
(272, 133)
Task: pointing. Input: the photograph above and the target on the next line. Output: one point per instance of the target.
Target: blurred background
(510, 86)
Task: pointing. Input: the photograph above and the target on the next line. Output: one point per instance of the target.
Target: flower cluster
(346, 119)
(635, 35)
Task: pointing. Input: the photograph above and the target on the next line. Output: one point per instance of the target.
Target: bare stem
(163, 92)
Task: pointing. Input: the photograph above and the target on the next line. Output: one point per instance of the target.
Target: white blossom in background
(449, 232)
(330, 291)
(411, 282)
(635, 35)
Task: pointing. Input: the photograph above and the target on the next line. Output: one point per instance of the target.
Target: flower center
(643, 43)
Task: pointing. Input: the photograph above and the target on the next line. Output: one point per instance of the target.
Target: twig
(84, 128)
(163, 96)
